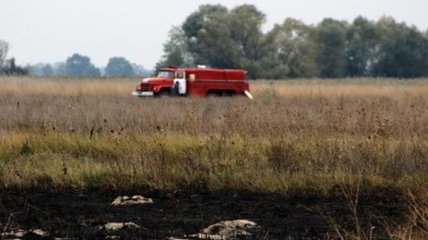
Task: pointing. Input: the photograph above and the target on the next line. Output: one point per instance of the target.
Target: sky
(48, 31)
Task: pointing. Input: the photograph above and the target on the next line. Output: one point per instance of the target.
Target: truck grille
(145, 87)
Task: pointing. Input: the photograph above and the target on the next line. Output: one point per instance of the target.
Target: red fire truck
(200, 81)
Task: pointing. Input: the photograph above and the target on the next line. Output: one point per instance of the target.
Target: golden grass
(67, 86)
(344, 88)
(306, 135)
(290, 88)
(173, 161)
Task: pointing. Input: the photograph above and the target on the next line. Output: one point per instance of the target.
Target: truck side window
(180, 75)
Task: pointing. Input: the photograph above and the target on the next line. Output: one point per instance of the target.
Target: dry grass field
(357, 138)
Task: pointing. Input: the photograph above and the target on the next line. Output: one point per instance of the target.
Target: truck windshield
(166, 74)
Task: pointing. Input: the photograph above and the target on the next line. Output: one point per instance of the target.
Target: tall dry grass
(352, 137)
(306, 134)
(67, 86)
(311, 106)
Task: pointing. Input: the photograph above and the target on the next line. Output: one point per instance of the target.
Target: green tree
(140, 70)
(247, 37)
(4, 48)
(59, 69)
(208, 37)
(47, 70)
(176, 52)
(362, 46)
(331, 41)
(215, 36)
(195, 31)
(403, 50)
(79, 66)
(291, 50)
(13, 69)
(219, 37)
(119, 67)
(219, 49)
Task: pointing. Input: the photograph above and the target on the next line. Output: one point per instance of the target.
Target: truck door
(180, 78)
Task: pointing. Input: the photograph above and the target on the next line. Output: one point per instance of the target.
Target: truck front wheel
(164, 94)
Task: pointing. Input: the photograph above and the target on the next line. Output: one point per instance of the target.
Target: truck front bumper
(143, 93)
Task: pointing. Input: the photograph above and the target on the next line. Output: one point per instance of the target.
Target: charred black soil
(76, 213)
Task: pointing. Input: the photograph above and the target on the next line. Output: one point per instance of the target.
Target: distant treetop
(219, 37)
(119, 67)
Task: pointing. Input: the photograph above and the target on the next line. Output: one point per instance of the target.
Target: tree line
(8, 66)
(79, 65)
(223, 38)
(76, 65)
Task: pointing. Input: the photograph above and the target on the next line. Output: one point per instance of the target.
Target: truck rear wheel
(229, 93)
(221, 93)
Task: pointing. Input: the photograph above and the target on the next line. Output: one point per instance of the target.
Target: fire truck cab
(200, 81)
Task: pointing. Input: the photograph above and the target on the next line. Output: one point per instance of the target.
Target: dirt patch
(75, 213)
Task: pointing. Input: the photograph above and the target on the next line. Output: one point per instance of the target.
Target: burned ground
(75, 213)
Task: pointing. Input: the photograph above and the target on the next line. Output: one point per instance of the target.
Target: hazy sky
(52, 30)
